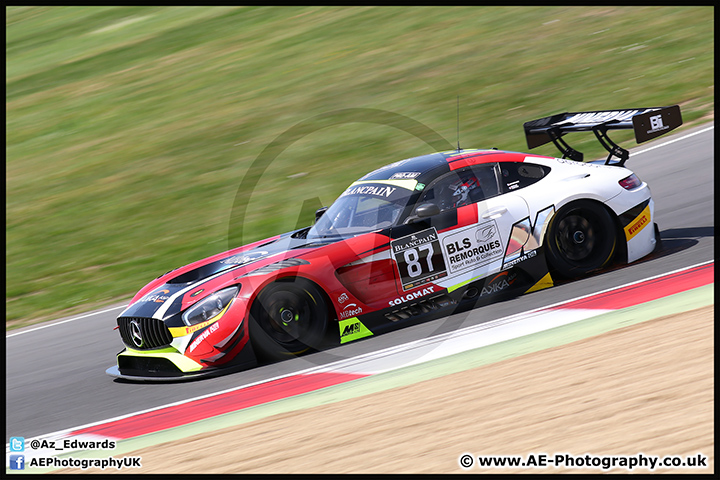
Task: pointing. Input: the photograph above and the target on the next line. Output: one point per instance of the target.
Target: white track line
(674, 140)
(64, 321)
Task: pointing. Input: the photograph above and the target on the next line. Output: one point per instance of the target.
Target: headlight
(210, 306)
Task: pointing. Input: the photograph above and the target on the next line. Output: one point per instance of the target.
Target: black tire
(581, 238)
(288, 318)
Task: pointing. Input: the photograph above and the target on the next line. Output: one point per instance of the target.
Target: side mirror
(427, 210)
(319, 213)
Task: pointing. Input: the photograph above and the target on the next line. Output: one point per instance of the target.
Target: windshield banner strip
(406, 184)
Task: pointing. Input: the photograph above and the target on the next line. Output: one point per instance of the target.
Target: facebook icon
(17, 462)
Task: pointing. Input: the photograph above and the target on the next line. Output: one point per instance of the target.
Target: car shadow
(676, 240)
(688, 232)
(672, 241)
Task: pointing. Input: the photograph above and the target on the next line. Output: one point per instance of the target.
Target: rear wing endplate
(648, 123)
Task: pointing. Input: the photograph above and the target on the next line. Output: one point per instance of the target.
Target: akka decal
(418, 258)
(412, 296)
(155, 297)
(499, 283)
(343, 298)
(472, 247)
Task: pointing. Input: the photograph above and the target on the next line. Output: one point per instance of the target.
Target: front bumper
(169, 365)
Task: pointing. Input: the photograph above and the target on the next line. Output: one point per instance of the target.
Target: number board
(419, 258)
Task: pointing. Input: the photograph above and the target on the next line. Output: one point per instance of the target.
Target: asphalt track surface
(55, 375)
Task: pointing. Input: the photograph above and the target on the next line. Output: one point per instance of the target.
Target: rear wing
(648, 123)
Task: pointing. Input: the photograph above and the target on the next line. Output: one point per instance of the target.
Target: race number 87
(419, 258)
(412, 260)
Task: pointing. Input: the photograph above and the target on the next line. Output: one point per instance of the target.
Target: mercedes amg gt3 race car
(415, 240)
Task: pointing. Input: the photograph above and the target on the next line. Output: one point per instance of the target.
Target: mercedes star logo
(136, 333)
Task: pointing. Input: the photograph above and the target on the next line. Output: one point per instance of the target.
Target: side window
(462, 187)
(515, 175)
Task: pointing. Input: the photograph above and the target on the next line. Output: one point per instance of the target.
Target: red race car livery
(415, 240)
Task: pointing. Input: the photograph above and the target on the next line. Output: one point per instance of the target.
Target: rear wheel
(581, 238)
(287, 318)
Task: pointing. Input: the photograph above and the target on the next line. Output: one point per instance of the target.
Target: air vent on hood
(202, 272)
(313, 245)
(290, 262)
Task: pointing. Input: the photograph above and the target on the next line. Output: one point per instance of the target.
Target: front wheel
(287, 318)
(581, 238)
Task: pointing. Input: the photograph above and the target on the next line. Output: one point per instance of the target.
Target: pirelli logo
(638, 224)
(182, 331)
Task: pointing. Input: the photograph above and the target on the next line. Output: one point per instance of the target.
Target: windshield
(363, 208)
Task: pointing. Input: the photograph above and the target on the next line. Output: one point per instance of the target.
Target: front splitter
(114, 371)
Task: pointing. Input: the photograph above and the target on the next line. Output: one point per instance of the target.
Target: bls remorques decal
(472, 247)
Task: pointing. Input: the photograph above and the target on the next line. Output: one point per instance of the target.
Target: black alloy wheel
(288, 318)
(582, 237)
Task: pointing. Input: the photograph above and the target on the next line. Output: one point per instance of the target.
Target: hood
(176, 290)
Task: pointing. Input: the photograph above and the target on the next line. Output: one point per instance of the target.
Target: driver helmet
(462, 190)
